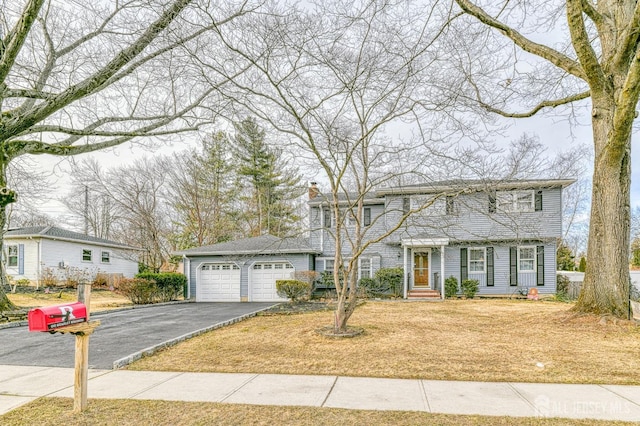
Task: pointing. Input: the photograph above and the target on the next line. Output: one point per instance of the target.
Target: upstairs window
(366, 219)
(451, 206)
(515, 201)
(326, 218)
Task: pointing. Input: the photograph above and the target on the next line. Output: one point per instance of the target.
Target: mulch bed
(298, 308)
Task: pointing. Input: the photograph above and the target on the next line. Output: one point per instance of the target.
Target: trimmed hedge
(170, 285)
(391, 279)
(140, 291)
(469, 288)
(450, 287)
(293, 290)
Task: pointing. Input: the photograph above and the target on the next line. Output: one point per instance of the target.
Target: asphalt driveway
(120, 334)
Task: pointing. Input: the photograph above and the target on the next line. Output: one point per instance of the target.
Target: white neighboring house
(29, 251)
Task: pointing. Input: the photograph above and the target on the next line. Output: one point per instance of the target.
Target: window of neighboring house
(477, 257)
(12, 255)
(515, 201)
(366, 219)
(105, 257)
(527, 259)
(87, 255)
(365, 267)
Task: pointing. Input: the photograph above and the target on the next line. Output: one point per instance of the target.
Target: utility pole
(86, 210)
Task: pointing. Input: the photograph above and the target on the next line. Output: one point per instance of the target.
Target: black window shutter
(405, 205)
(540, 268)
(327, 218)
(538, 201)
(490, 281)
(513, 266)
(492, 202)
(367, 216)
(463, 264)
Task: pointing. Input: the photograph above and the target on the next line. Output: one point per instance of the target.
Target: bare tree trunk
(5, 303)
(606, 283)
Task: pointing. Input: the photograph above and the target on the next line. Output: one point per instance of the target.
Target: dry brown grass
(101, 300)
(58, 411)
(480, 340)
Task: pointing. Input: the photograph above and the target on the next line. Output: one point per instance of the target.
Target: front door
(421, 270)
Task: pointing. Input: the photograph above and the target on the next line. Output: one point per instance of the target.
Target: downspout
(38, 263)
(406, 276)
(442, 270)
(187, 271)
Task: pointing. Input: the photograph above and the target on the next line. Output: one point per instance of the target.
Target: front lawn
(58, 411)
(479, 340)
(101, 300)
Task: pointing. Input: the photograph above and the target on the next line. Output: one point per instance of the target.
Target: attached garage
(218, 282)
(262, 280)
(245, 270)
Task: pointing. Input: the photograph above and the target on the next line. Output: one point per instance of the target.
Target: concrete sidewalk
(19, 385)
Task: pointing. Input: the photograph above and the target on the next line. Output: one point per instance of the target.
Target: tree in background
(202, 191)
(601, 61)
(566, 261)
(270, 185)
(88, 77)
(635, 253)
(582, 267)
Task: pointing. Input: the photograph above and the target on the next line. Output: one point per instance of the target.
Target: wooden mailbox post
(64, 321)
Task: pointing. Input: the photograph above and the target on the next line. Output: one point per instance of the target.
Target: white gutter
(442, 270)
(406, 273)
(187, 271)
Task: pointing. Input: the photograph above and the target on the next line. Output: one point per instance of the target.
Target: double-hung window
(12, 256)
(527, 259)
(87, 255)
(365, 267)
(105, 257)
(515, 201)
(477, 260)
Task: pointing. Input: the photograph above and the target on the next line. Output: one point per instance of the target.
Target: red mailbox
(50, 318)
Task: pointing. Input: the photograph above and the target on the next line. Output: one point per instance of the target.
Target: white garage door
(218, 282)
(263, 280)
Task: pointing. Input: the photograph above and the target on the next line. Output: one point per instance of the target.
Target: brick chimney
(313, 190)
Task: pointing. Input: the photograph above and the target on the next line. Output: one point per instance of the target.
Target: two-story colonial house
(502, 233)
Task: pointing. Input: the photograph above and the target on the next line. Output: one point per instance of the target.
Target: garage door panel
(263, 280)
(218, 283)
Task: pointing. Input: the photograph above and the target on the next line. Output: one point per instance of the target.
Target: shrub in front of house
(391, 279)
(450, 287)
(294, 290)
(170, 285)
(140, 291)
(469, 288)
(371, 287)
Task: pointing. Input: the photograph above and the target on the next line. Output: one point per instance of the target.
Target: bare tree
(82, 76)
(597, 59)
(333, 79)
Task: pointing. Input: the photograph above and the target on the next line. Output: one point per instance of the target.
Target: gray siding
(501, 271)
